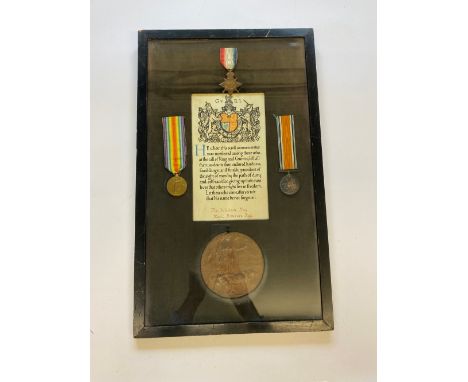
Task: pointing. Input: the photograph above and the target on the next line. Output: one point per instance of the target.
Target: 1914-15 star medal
(230, 83)
(228, 58)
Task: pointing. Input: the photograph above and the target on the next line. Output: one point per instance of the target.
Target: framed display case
(230, 220)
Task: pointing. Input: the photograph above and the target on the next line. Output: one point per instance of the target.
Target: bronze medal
(175, 153)
(230, 83)
(232, 265)
(228, 58)
(289, 184)
(176, 186)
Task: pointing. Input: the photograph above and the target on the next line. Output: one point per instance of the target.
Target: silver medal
(289, 184)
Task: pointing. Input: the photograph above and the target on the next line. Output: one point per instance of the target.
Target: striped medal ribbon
(289, 184)
(228, 57)
(175, 153)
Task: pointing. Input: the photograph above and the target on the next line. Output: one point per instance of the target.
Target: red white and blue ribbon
(228, 57)
(175, 149)
(286, 142)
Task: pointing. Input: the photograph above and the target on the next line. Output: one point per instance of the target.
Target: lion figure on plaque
(229, 124)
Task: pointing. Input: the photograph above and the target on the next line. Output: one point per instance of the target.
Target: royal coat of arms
(229, 124)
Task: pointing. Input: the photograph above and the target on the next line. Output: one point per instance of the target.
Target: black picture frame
(140, 330)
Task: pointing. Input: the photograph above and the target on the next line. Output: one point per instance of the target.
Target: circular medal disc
(289, 184)
(232, 265)
(176, 186)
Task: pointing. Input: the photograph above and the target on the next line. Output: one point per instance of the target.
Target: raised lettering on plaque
(229, 157)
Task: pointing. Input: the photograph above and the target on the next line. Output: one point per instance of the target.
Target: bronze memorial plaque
(232, 265)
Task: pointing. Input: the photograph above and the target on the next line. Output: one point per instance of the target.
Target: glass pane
(290, 287)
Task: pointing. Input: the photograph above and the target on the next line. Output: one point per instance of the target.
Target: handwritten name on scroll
(229, 157)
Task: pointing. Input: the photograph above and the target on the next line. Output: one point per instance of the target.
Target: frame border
(139, 328)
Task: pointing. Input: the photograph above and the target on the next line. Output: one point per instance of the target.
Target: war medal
(175, 153)
(228, 58)
(289, 184)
